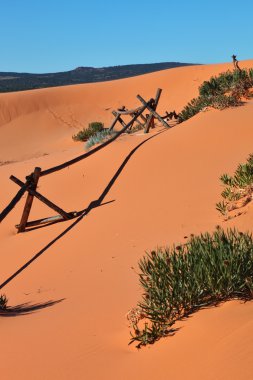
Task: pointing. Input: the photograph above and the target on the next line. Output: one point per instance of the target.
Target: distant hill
(24, 81)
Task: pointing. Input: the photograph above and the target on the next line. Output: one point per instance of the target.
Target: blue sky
(58, 35)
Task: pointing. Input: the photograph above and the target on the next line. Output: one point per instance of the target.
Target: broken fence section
(30, 185)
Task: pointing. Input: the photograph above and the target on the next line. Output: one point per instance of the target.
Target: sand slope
(164, 190)
(39, 122)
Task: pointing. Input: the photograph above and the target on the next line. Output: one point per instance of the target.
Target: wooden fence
(31, 182)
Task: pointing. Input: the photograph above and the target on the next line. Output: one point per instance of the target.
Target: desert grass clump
(176, 281)
(86, 133)
(220, 92)
(234, 82)
(193, 107)
(3, 302)
(238, 189)
(99, 137)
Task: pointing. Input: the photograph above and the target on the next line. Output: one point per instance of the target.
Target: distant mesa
(12, 81)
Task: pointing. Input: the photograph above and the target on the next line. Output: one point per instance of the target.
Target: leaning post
(150, 121)
(29, 200)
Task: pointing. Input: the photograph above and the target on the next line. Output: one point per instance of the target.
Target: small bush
(192, 108)
(177, 281)
(3, 302)
(92, 129)
(225, 90)
(237, 187)
(225, 101)
(99, 137)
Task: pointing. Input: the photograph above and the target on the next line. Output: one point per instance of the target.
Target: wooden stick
(14, 201)
(155, 114)
(140, 122)
(114, 122)
(34, 223)
(29, 200)
(49, 219)
(143, 118)
(50, 204)
(119, 118)
(128, 112)
(150, 121)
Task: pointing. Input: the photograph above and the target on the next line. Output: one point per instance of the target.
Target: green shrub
(220, 92)
(251, 75)
(3, 302)
(177, 281)
(224, 101)
(193, 107)
(226, 82)
(239, 186)
(99, 137)
(92, 129)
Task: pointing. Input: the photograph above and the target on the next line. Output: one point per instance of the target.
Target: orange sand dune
(164, 190)
(35, 123)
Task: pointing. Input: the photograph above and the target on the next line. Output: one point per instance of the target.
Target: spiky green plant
(226, 179)
(193, 107)
(251, 76)
(224, 101)
(238, 186)
(99, 137)
(230, 194)
(86, 133)
(177, 281)
(220, 92)
(222, 207)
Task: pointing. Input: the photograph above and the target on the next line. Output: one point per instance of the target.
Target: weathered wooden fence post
(29, 200)
(153, 112)
(114, 121)
(150, 121)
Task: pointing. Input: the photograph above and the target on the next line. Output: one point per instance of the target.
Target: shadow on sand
(94, 204)
(26, 308)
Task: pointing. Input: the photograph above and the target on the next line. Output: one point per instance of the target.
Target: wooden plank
(29, 200)
(14, 201)
(150, 121)
(143, 118)
(34, 223)
(155, 114)
(43, 199)
(51, 219)
(122, 111)
(114, 122)
(140, 122)
(119, 118)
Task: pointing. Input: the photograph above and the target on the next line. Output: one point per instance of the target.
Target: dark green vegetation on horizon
(178, 281)
(24, 81)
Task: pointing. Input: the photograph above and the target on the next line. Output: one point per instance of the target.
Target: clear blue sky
(58, 35)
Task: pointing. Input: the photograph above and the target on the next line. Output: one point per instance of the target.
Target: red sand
(167, 189)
